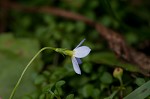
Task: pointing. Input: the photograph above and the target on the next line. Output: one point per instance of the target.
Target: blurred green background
(51, 75)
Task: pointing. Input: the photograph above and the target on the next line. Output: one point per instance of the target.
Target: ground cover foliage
(29, 25)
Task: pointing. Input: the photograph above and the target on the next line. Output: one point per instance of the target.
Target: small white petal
(81, 52)
(79, 60)
(76, 65)
(80, 43)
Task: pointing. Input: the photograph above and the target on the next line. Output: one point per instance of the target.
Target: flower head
(79, 52)
(76, 54)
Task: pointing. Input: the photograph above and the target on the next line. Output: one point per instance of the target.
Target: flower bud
(118, 73)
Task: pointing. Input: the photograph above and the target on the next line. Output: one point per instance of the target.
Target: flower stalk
(25, 69)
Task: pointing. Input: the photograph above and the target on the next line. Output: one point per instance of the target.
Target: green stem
(25, 69)
(121, 82)
(121, 87)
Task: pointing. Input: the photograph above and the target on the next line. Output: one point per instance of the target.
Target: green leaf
(87, 67)
(106, 78)
(87, 90)
(71, 96)
(110, 59)
(96, 93)
(139, 81)
(140, 93)
(39, 79)
(58, 91)
(60, 83)
(14, 55)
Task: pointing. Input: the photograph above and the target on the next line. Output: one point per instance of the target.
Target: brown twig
(115, 40)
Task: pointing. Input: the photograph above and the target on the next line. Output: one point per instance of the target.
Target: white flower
(79, 52)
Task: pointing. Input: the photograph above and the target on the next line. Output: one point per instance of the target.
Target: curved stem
(25, 69)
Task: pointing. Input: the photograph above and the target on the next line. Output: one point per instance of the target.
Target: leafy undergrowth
(51, 75)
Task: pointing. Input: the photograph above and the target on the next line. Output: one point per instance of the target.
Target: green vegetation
(51, 75)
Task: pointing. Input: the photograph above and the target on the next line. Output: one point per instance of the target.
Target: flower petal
(80, 43)
(79, 60)
(76, 65)
(81, 52)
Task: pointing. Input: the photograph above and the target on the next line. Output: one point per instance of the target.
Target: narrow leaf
(140, 93)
